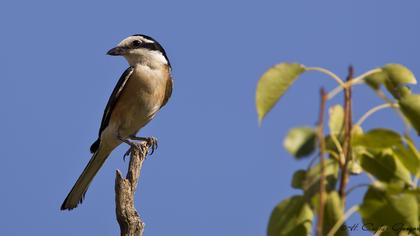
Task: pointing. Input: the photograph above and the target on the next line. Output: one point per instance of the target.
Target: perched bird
(142, 90)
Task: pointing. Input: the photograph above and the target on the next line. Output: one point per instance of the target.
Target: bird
(142, 90)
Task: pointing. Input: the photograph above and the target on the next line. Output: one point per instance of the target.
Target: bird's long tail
(79, 189)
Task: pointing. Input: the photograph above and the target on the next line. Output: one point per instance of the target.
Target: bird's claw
(127, 153)
(151, 143)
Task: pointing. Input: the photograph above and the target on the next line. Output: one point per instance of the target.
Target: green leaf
(311, 183)
(300, 141)
(383, 208)
(332, 213)
(273, 84)
(397, 91)
(416, 192)
(336, 121)
(377, 139)
(413, 153)
(354, 167)
(402, 92)
(330, 145)
(291, 217)
(356, 133)
(395, 77)
(356, 130)
(298, 178)
(385, 167)
(409, 156)
(376, 79)
(399, 74)
(410, 107)
(383, 153)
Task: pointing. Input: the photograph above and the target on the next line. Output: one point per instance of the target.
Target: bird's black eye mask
(151, 46)
(136, 44)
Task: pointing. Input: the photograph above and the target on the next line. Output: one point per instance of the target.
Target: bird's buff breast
(139, 102)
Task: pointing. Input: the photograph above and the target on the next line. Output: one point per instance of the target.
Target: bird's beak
(117, 51)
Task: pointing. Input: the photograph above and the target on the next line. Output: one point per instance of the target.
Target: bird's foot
(133, 146)
(151, 143)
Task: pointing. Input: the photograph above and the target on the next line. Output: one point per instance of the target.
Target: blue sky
(215, 172)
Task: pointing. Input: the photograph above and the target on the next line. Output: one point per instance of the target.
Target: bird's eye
(136, 43)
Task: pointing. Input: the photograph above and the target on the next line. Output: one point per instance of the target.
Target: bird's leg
(151, 142)
(132, 145)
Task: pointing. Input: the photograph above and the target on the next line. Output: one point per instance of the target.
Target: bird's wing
(168, 91)
(114, 98)
(111, 103)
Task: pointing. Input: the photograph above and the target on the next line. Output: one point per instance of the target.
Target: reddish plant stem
(321, 141)
(347, 137)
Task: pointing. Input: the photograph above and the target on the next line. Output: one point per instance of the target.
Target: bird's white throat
(153, 59)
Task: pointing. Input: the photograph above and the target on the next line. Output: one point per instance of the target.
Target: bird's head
(141, 49)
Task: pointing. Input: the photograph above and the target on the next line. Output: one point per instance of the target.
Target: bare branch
(127, 216)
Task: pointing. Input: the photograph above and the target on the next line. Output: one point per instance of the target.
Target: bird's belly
(137, 106)
(137, 115)
(140, 116)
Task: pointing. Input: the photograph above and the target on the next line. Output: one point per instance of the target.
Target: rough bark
(127, 216)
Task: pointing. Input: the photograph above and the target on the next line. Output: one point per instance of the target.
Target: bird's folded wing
(168, 91)
(111, 103)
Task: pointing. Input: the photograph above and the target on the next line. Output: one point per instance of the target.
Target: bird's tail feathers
(77, 193)
(94, 147)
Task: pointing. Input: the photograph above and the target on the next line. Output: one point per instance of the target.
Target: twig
(127, 216)
(322, 163)
(356, 187)
(358, 80)
(347, 137)
(312, 162)
(338, 89)
(375, 109)
(382, 96)
(327, 72)
(340, 221)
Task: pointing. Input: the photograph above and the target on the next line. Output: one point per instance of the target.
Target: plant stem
(327, 72)
(357, 80)
(356, 187)
(322, 162)
(382, 96)
(339, 149)
(335, 156)
(311, 163)
(338, 89)
(347, 137)
(337, 225)
(373, 110)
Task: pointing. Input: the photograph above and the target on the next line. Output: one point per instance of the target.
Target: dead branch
(127, 216)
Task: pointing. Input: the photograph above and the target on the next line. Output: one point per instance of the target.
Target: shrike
(142, 90)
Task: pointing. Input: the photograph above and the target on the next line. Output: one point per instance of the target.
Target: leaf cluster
(390, 159)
